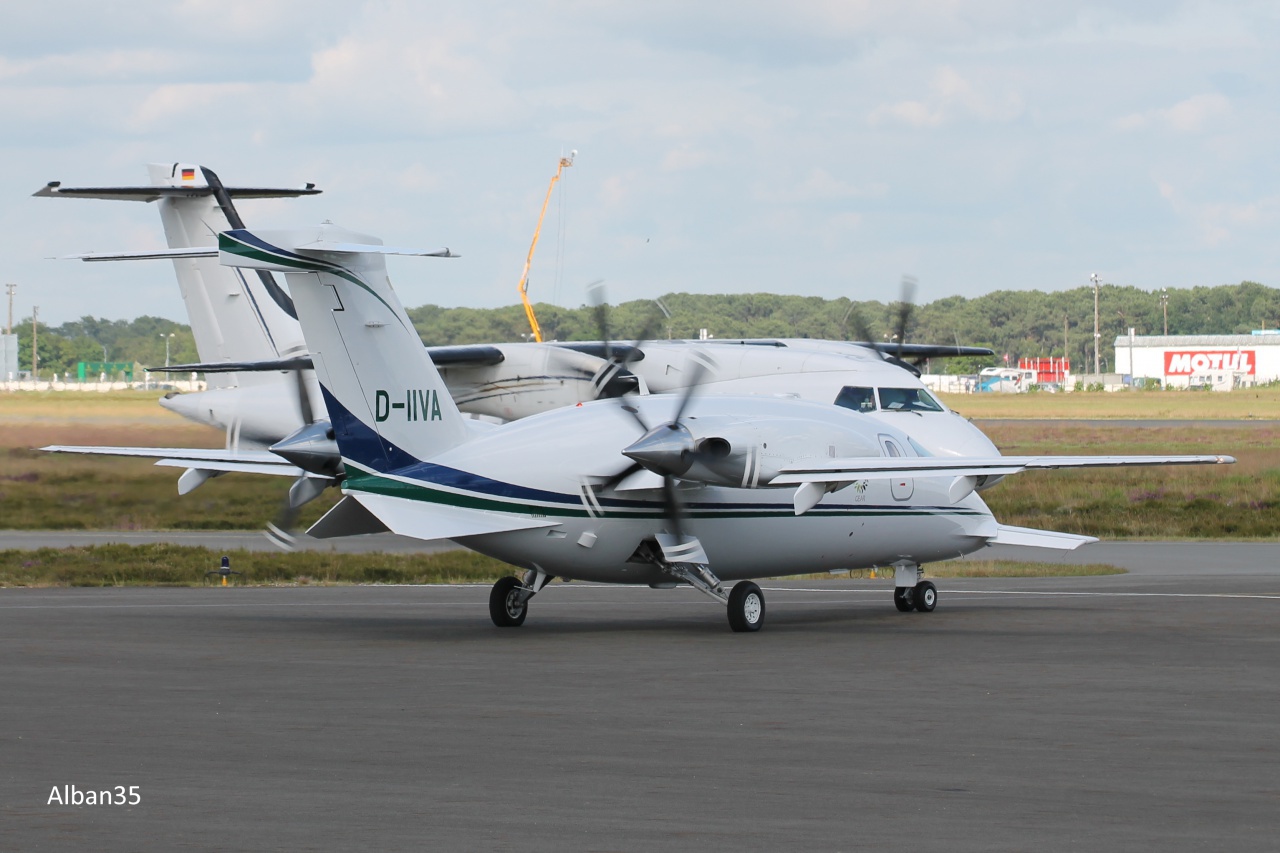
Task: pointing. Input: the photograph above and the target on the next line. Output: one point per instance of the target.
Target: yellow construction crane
(565, 162)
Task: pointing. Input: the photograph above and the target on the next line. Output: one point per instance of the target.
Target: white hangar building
(1220, 361)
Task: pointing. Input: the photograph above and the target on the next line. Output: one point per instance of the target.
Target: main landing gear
(683, 558)
(509, 598)
(911, 593)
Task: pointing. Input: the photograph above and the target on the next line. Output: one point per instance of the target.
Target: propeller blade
(612, 482)
(599, 302)
(672, 508)
(854, 320)
(906, 304)
(698, 369)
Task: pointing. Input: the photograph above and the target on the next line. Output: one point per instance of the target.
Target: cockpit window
(908, 400)
(856, 398)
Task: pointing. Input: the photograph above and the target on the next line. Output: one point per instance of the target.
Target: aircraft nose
(949, 434)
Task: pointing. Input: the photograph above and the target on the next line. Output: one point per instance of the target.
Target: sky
(817, 147)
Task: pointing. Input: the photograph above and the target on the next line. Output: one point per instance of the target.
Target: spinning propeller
(667, 449)
(902, 310)
(312, 449)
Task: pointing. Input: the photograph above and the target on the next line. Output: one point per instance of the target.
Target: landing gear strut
(912, 593)
(509, 598)
(683, 558)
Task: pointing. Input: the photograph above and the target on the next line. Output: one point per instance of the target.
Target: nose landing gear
(912, 593)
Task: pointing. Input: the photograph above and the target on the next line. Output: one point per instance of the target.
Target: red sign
(1188, 362)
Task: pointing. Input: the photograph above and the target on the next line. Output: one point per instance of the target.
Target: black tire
(746, 607)
(925, 597)
(902, 599)
(505, 607)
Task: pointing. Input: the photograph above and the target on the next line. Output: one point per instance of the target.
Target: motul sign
(1207, 361)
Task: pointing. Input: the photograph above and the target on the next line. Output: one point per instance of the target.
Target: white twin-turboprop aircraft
(263, 392)
(656, 490)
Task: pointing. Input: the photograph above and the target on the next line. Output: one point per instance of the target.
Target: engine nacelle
(742, 454)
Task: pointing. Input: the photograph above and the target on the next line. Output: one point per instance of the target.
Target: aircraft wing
(204, 459)
(923, 351)
(862, 468)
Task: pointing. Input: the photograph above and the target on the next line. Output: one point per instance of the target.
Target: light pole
(10, 288)
(167, 338)
(1164, 305)
(1097, 369)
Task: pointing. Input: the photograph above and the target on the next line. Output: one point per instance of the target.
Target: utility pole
(35, 353)
(1097, 369)
(11, 288)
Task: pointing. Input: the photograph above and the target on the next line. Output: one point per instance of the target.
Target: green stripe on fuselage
(381, 485)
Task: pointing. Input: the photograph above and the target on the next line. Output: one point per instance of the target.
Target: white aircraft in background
(656, 490)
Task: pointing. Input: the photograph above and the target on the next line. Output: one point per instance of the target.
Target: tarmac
(1129, 712)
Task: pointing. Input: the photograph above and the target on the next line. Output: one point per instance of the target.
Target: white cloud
(893, 134)
(1192, 115)
(953, 97)
(1217, 223)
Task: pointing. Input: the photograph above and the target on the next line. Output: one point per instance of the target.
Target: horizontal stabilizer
(302, 362)
(1031, 538)
(331, 248)
(54, 189)
(154, 254)
(427, 521)
(460, 356)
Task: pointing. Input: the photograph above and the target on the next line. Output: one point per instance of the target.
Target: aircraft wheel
(926, 597)
(902, 599)
(506, 607)
(746, 607)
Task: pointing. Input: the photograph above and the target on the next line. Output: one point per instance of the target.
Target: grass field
(1255, 404)
(174, 565)
(45, 491)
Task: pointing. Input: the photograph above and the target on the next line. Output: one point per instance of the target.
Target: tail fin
(233, 317)
(388, 404)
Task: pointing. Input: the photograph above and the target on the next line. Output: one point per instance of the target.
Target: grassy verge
(40, 491)
(1015, 569)
(1259, 403)
(175, 565)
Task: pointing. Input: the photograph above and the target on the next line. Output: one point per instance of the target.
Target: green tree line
(140, 342)
(1022, 323)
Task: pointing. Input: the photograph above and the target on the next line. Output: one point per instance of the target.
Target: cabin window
(891, 447)
(857, 398)
(908, 400)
